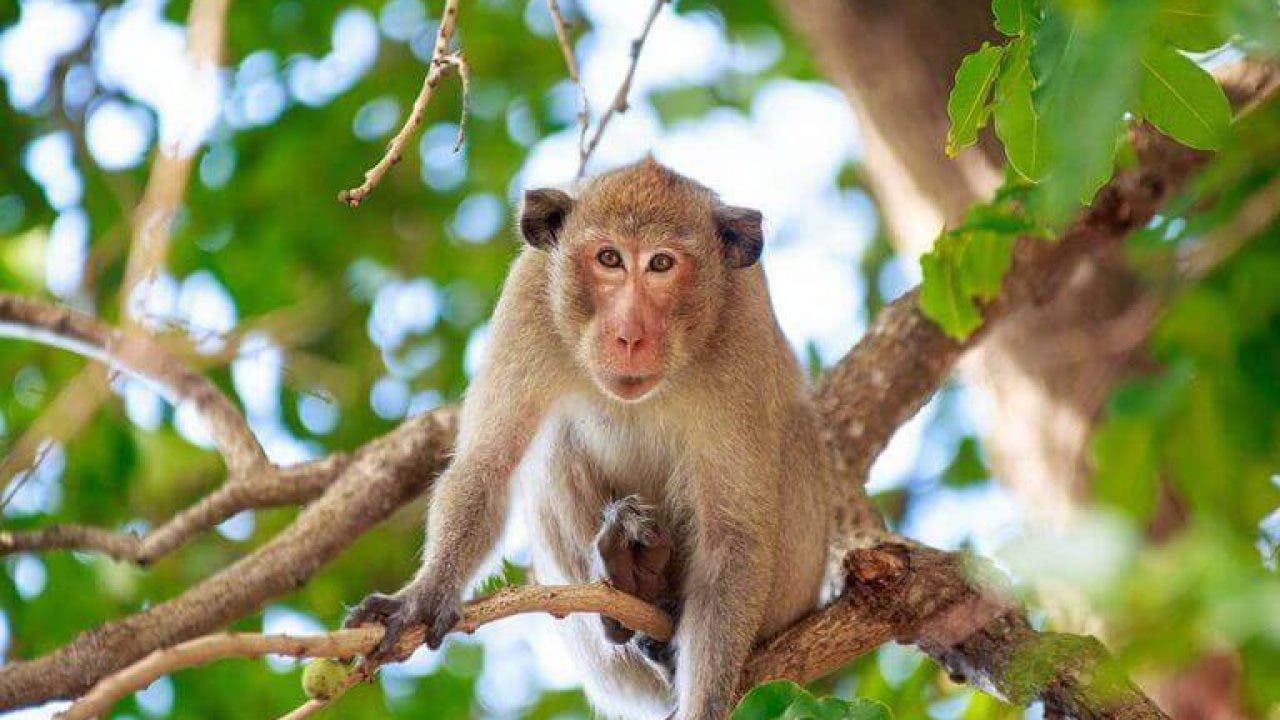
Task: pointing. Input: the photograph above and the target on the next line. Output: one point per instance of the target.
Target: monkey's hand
(417, 604)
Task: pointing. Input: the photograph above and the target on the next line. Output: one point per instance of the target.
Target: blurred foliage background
(330, 325)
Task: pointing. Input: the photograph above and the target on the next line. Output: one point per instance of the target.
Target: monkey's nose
(629, 342)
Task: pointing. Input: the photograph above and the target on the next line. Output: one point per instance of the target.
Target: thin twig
(558, 600)
(464, 76)
(575, 77)
(619, 104)
(442, 61)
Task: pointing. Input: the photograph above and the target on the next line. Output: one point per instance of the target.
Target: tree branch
(620, 102)
(151, 229)
(560, 601)
(442, 61)
(956, 609)
(143, 357)
(289, 486)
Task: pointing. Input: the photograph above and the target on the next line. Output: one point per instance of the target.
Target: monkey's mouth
(631, 387)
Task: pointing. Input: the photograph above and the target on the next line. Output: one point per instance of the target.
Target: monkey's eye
(661, 262)
(609, 258)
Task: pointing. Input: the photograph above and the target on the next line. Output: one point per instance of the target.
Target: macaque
(640, 391)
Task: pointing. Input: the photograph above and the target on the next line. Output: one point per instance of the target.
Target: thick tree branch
(956, 610)
(143, 357)
(560, 601)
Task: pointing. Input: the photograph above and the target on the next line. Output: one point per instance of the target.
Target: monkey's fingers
(443, 623)
(617, 561)
(386, 651)
(651, 569)
(374, 609)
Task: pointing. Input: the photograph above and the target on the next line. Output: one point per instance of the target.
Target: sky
(815, 235)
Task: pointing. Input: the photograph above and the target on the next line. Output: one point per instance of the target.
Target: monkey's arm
(727, 582)
(500, 415)
(467, 510)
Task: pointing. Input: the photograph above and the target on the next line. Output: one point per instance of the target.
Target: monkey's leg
(633, 553)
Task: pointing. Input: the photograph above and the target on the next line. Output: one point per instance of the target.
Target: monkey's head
(641, 262)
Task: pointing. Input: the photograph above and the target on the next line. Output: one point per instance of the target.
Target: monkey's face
(637, 291)
(640, 265)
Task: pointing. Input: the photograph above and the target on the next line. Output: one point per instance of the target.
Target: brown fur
(727, 448)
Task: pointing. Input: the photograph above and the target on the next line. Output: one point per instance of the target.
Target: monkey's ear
(542, 216)
(741, 232)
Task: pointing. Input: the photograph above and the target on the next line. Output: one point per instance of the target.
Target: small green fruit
(322, 678)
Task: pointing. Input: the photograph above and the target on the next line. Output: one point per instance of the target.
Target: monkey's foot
(657, 651)
(632, 553)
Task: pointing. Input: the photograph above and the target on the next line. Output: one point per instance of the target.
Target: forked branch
(620, 98)
(442, 62)
(295, 485)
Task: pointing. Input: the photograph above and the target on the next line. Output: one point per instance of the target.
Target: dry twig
(620, 103)
(571, 64)
(442, 62)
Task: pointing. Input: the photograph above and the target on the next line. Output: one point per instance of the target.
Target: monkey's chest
(579, 462)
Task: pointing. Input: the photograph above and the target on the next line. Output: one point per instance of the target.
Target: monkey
(638, 388)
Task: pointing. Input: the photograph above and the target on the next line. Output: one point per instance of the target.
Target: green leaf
(508, 575)
(1182, 99)
(984, 259)
(1015, 17)
(785, 700)
(942, 295)
(966, 467)
(1086, 62)
(768, 700)
(1194, 25)
(1017, 120)
(967, 106)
